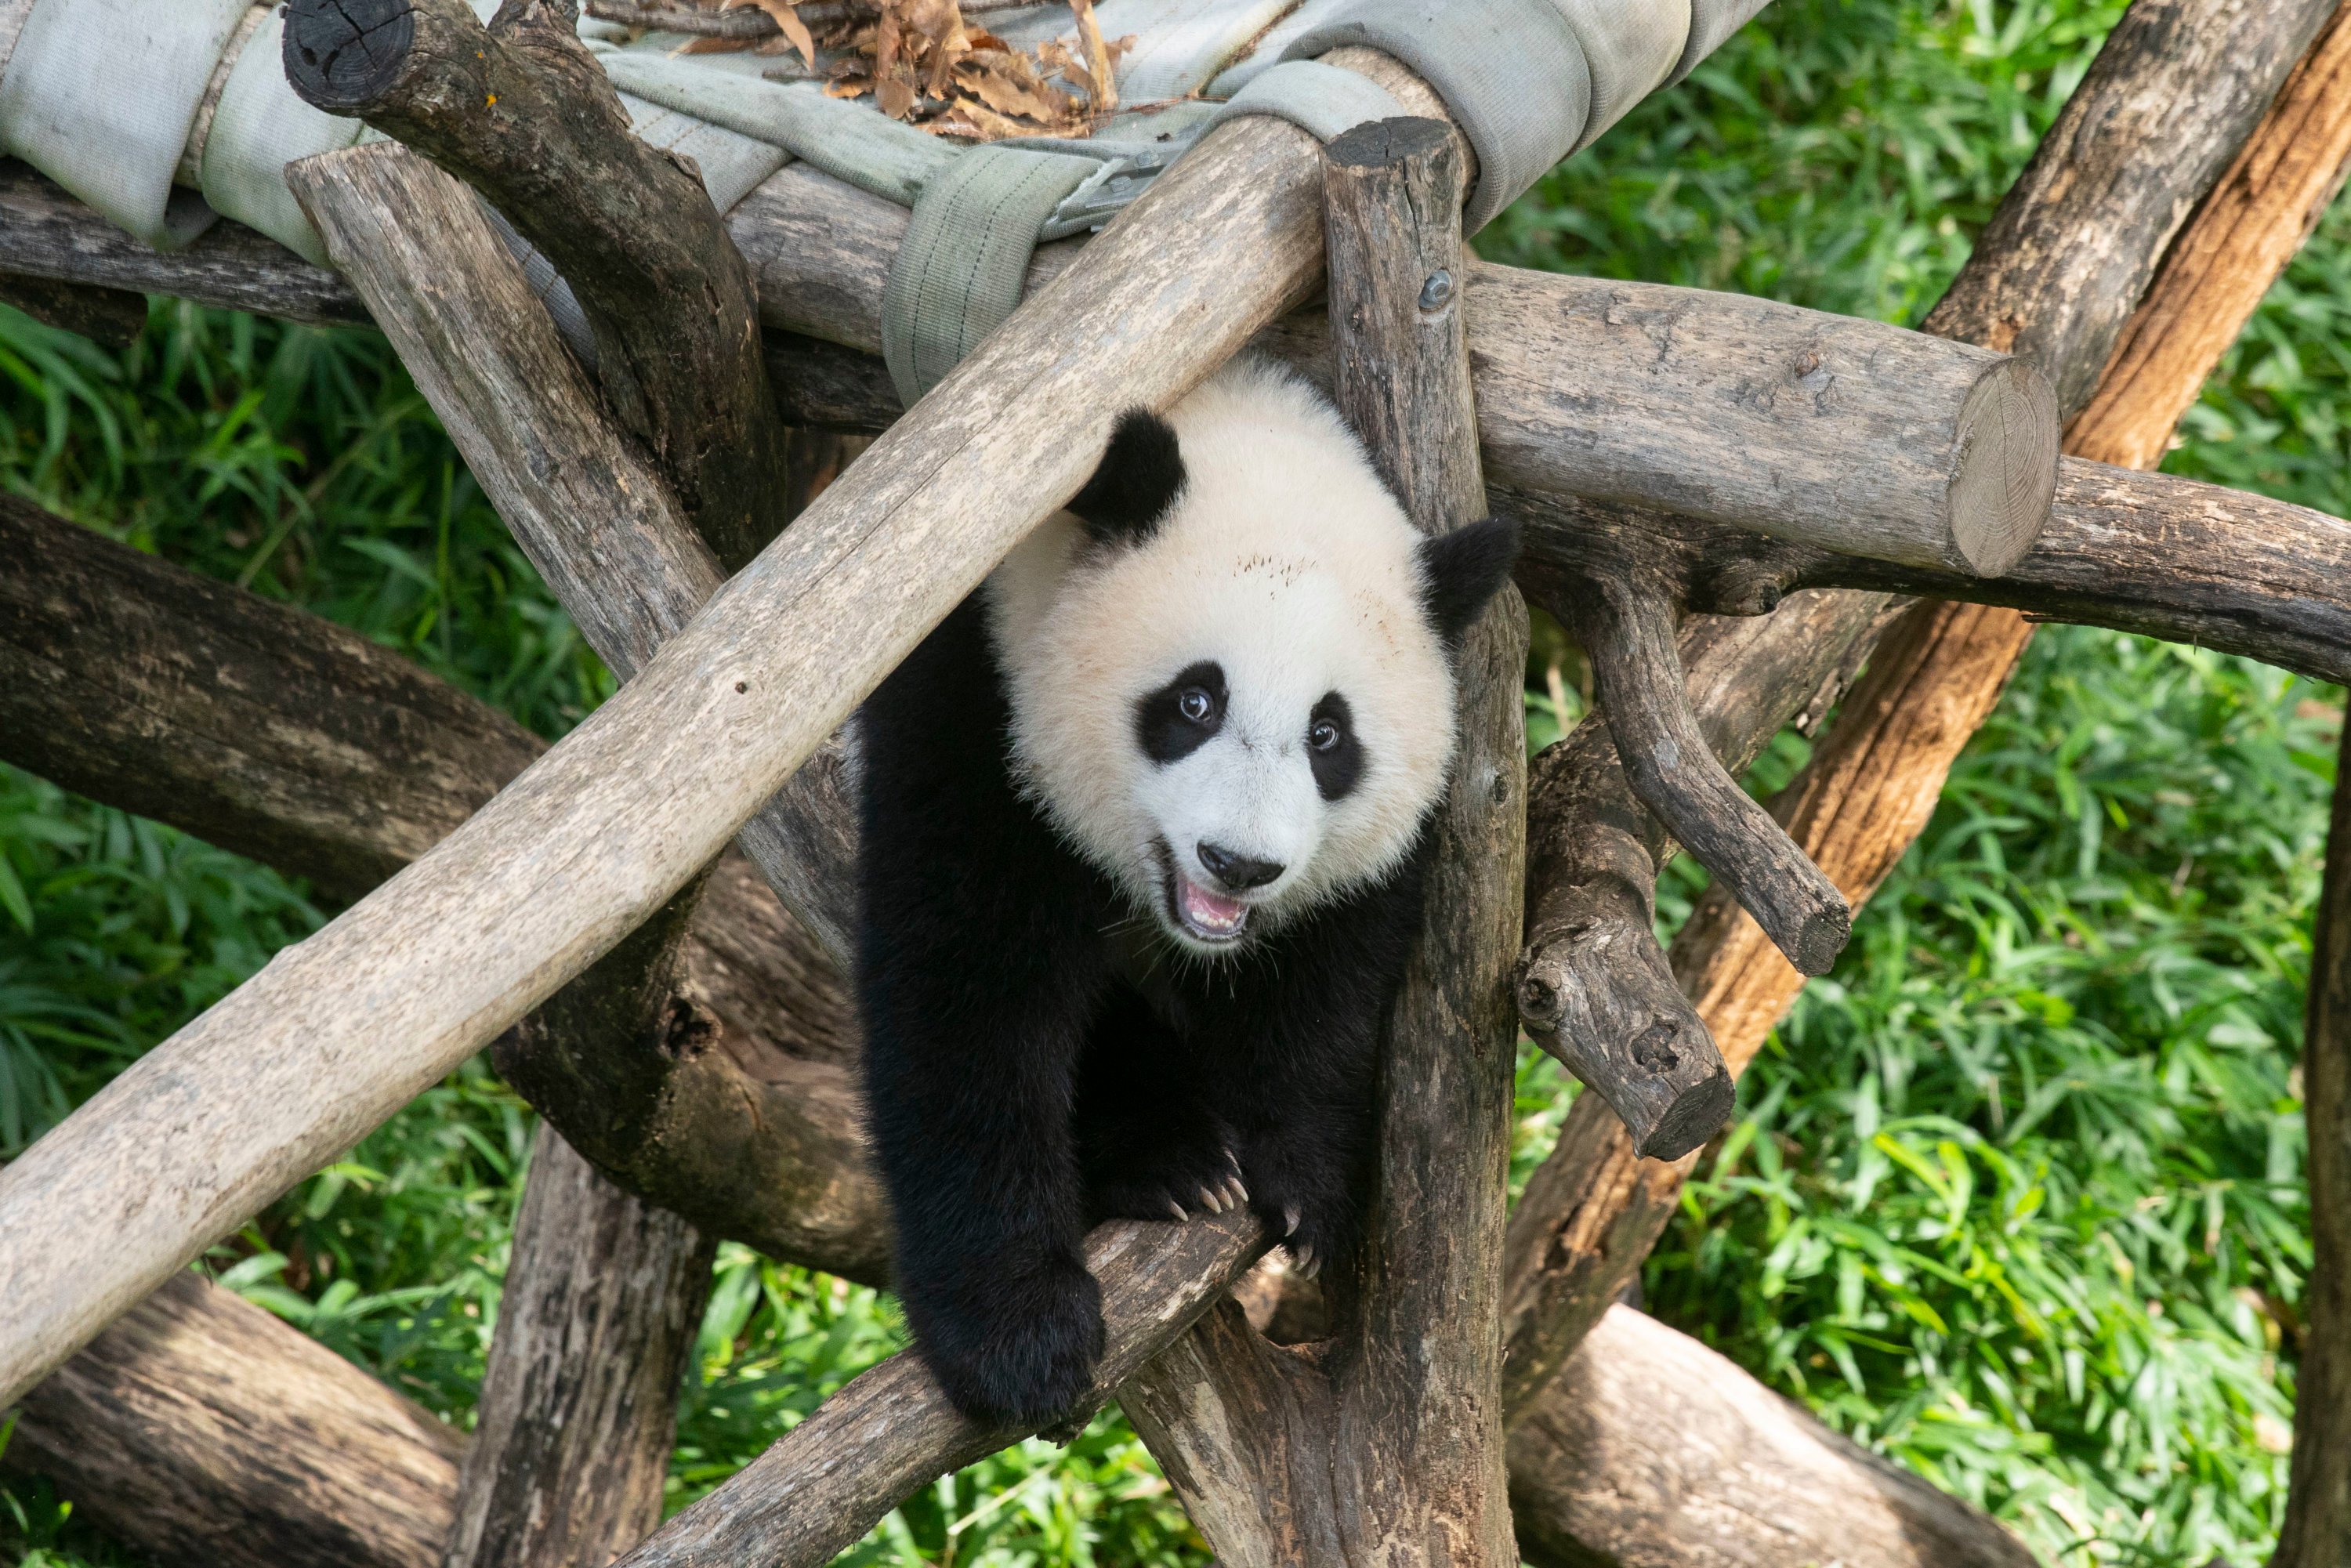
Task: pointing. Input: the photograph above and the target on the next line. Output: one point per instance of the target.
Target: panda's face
(1230, 680)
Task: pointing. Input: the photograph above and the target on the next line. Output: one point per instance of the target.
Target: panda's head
(1229, 661)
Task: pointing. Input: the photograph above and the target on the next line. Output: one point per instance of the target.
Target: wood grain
(579, 1407)
(282, 736)
(2318, 1532)
(1658, 1453)
(2246, 231)
(203, 1431)
(818, 1489)
(339, 1031)
(521, 111)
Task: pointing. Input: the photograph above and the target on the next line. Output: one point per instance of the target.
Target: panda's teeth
(1209, 913)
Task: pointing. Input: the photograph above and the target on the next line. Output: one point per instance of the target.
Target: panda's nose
(1237, 872)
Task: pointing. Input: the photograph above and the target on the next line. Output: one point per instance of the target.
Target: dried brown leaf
(1103, 98)
(713, 46)
(787, 23)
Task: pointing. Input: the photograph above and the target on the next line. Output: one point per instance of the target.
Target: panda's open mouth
(1208, 918)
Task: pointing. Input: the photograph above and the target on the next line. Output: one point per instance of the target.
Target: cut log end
(1693, 1117)
(1821, 937)
(1380, 144)
(2006, 476)
(344, 55)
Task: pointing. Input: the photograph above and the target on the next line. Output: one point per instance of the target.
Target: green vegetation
(2016, 1195)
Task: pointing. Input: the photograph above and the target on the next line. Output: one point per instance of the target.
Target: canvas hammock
(166, 114)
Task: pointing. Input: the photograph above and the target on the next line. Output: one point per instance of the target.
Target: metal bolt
(1437, 293)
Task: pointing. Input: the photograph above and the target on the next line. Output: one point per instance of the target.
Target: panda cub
(1145, 822)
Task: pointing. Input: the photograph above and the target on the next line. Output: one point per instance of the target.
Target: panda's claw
(1290, 1217)
(1305, 1264)
(1212, 1199)
(1176, 1211)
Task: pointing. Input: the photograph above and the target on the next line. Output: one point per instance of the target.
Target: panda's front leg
(970, 1103)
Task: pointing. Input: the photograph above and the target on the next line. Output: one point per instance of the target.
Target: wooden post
(2318, 1532)
(1385, 1444)
(579, 1409)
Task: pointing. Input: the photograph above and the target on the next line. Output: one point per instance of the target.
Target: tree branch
(279, 735)
(579, 1409)
(521, 111)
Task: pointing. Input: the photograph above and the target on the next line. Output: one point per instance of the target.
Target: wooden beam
(579, 1410)
(281, 736)
(205, 1433)
(338, 1031)
(1660, 1453)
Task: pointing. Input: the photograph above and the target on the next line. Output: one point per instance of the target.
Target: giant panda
(1143, 824)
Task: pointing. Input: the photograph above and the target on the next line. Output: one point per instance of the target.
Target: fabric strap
(960, 269)
(100, 95)
(1529, 81)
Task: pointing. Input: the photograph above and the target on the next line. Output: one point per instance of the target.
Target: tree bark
(2318, 1532)
(521, 111)
(281, 736)
(205, 1432)
(2175, 91)
(817, 1490)
(1658, 1453)
(2247, 230)
(579, 1411)
(1590, 1214)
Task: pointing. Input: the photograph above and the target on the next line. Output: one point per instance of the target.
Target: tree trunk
(579, 1411)
(1657, 1453)
(203, 1431)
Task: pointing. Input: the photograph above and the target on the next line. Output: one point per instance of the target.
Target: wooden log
(597, 519)
(45, 232)
(2175, 91)
(1593, 987)
(2248, 227)
(205, 1433)
(1591, 1211)
(2317, 1531)
(2148, 553)
(1661, 1454)
(521, 111)
(1590, 1214)
(1411, 1452)
(891, 1429)
(1627, 630)
(338, 1032)
(579, 1410)
(281, 736)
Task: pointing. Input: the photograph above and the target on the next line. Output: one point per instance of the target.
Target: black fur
(1020, 1089)
(1463, 570)
(1140, 476)
(1167, 733)
(1025, 1078)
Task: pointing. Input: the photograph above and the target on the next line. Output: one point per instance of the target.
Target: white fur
(1286, 561)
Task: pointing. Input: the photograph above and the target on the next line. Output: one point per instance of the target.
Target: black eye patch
(1337, 758)
(1178, 718)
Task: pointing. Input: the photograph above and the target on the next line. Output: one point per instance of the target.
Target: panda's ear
(1462, 569)
(1140, 476)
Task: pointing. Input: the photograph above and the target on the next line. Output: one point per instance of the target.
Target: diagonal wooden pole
(1591, 1213)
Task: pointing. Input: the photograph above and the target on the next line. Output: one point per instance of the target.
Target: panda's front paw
(1174, 1178)
(1312, 1211)
(1026, 1358)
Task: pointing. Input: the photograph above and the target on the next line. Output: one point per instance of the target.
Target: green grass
(2014, 1196)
